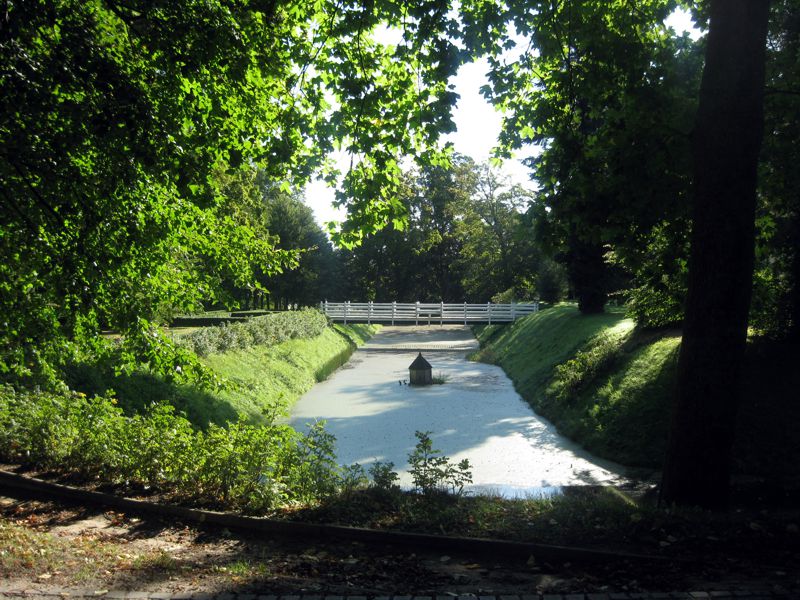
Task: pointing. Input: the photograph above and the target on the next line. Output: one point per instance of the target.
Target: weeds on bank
(253, 469)
(596, 356)
(433, 472)
(440, 378)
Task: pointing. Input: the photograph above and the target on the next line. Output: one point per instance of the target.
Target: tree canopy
(468, 238)
(118, 117)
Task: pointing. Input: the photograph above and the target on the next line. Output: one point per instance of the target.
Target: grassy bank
(598, 380)
(530, 348)
(609, 387)
(267, 379)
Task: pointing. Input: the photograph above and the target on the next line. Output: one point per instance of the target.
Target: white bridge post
(346, 304)
(394, 309)
(513, 311)
(369, 313)
(441, 313)
(416, 314)
(489, 311)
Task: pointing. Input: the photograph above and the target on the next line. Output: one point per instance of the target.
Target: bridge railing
(426, 312)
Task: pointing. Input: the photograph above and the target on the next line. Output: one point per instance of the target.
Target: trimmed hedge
(259, 331)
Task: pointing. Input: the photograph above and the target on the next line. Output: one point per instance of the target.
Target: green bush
(433, 472)
(259, 331)
(384, 476)
(655, 307)
(246, 467)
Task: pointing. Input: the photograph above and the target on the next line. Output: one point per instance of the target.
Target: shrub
(383, 476)
(242, 466)
(433, 472)
(655, 307)
(267, 330)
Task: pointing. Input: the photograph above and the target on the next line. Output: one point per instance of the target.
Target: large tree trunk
(728, 133)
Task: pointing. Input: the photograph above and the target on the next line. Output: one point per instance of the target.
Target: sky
(477, 127)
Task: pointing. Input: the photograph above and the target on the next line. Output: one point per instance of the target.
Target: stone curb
(456, 545)
(132, 595)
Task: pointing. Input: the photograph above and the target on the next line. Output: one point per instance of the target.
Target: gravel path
(475, 414)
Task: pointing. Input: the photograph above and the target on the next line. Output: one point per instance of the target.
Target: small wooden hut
(420, 373)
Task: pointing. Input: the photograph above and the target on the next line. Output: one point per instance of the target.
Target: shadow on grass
(333, 363)
(138, 391)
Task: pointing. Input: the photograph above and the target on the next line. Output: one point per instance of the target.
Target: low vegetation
(220, 445)
(250, 468)
(583, 516)
(241, 466)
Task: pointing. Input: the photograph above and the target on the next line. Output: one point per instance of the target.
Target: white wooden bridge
(426, 312)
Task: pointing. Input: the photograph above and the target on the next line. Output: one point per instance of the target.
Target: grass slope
(624, 413)
(600, 382)
(530, 348)
(269, 378)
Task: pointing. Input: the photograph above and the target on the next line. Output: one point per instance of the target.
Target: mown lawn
(529, 349)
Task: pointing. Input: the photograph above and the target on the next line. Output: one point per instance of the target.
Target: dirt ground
(46, 545)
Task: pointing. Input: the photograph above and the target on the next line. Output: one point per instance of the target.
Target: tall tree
(292, 222)
(727, 140)
(776, 295)
(495, 257)
(440, 194)
(115, 116)
(601, 90)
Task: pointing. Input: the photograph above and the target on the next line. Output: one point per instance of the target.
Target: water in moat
(475, 414)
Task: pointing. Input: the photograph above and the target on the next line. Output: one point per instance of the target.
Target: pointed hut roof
(419, 363)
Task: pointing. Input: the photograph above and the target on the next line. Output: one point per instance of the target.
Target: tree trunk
(587, 271)
(794, 295)
(728, 132)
